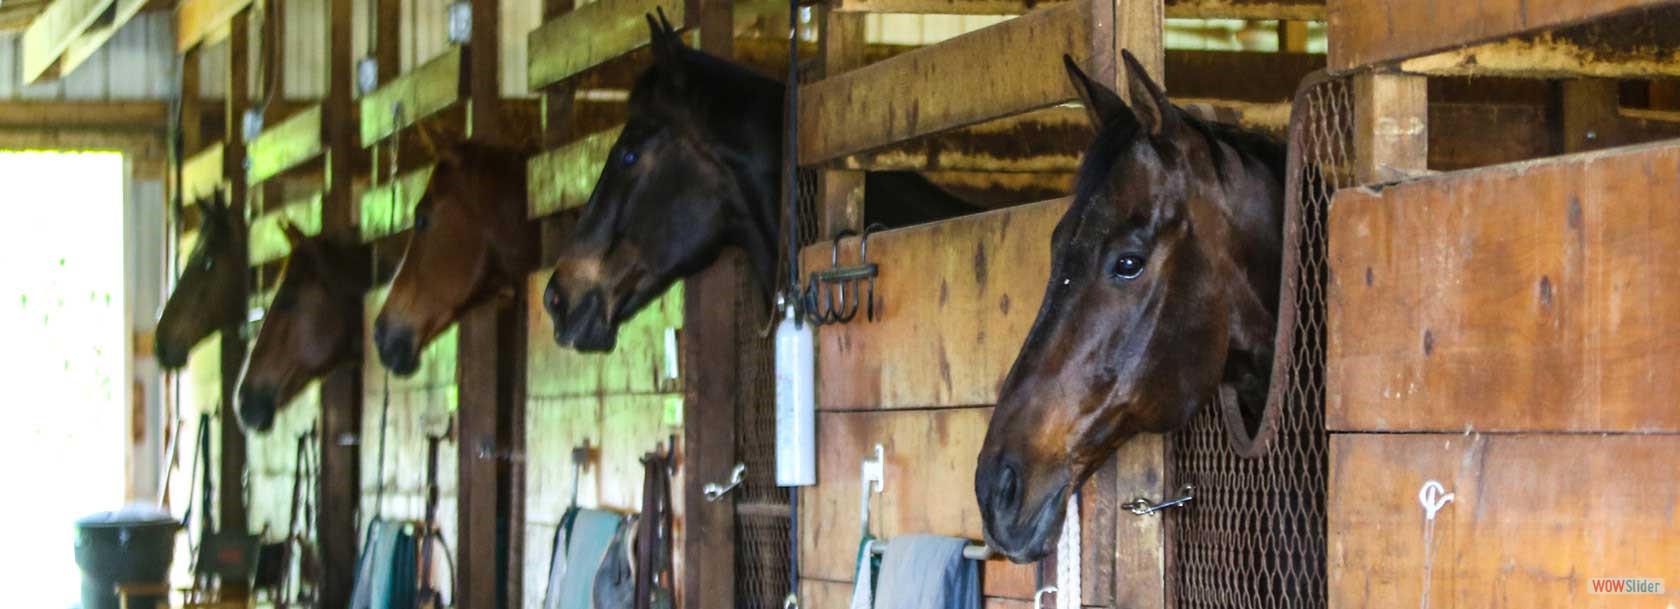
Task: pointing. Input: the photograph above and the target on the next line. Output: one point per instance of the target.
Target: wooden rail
(286, 145)
(201, 174)
(389, 208)
(425, 90)
(595, 33)
(1375, 33)
(98, 34)
(1005, 69)
(266, 241)
(1527, 297)
(563, 178)
(1298, 10)
(199, 21)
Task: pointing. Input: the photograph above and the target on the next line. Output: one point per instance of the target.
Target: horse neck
(752, 152)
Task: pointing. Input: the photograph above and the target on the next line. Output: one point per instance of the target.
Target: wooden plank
(1372, 33)
(436, 85)
(267, 243)
(286, 145)
(1304, 10)
(1548, 56)
(985, 74)
(593, 34)
(53, 31)
(342, 390)
(1532, 520)
(199, 20)
(1391, 126)
(388, 209)
(713, 361)
(954, 302)
(490, 379)
(232, 460)
(929, 489)
(564, 178)
(95, 37)
(201, 174)
(101, 115)
(1527, 297)
(823, 594)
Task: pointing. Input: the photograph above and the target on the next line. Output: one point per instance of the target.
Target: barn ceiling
(16, 14)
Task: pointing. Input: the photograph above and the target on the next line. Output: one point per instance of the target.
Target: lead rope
(1068, 586)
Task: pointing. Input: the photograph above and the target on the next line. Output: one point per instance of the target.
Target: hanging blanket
(579, 548)
(927, 572)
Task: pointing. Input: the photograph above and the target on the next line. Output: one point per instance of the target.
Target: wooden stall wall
(955, 300)
(625, 404)
(271, 462)
(421, 406)
(1506, 333)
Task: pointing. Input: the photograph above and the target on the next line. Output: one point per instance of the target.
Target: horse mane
(1116, 137)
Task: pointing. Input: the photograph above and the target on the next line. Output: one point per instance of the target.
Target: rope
(1067, 559)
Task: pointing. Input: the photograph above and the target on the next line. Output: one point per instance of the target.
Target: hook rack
(831, 295)
(873, 479)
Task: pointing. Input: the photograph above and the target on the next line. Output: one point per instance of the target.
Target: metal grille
(1255, 534)
(762, 531)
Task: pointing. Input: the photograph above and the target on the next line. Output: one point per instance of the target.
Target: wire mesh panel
(1255, 534)
(762, 514)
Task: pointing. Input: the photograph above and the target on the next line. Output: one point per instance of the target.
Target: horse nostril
(379, 330)
(551, 298)
(1007, 494)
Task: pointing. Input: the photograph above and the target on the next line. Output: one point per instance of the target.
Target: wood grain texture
(593, 34)
(929, 489)
(1533, 518)
(418, 93)
(954, 301)
(1526, 297)
(201, 174)
(563, 178)
(266, 241)
(985, 74)
(98, 34)
(286, 145)
(1391, 126)
(1368, 33)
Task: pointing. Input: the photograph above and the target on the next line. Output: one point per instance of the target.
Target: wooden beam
(1377, 33)
(199, 21)
(339, 484)
(95, 115)
(1533, 518)
(267, 244)
(95, 37)
(1528, 297)
(1549, 56)
(593, 34)
(231, 436)
(990, 73)
(844, 48)
(1300, 10)
(1391, 126)
(564, 177)
(408, 98)
(53, 31)
(203, 173)
(286, 145)
(388, 209)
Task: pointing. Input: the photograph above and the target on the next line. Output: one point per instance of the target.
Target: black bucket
(134, 545)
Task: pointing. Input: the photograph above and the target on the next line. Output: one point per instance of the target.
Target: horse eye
(1129, 267)
(209, 261)
(628, 158)
(422, 222)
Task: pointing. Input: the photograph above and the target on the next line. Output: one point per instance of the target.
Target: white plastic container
(796, 402)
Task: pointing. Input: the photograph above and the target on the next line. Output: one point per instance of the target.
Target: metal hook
(714, 491)
(1142, 506)
(1038, 597)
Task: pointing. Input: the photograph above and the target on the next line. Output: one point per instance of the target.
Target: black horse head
(1163, 286)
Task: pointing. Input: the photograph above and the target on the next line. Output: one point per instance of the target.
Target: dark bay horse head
(470, 242)
(313, 325)
(695, 169)
(208, 296)
(1163, 287)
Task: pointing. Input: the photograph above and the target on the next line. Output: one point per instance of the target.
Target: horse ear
(1101, 103)
(1149, 102)
(444, 153)
(294, 237)
(666, 46)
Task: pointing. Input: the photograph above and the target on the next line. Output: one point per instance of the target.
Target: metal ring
(834, 254)
(863, 243)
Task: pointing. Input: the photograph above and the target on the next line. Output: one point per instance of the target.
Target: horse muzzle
(585, 327)
(1022, 529)
(397, 347)
(256, 408)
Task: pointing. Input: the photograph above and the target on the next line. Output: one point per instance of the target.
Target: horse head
(1162, 287)
(207, 296)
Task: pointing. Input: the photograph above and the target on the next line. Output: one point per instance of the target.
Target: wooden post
(340, 476)
(842, 39)
(712, 300)
(1391, 126)
(1139, 468)
(1590, 117)
(192, 114)
(491, 382)
(232, 466)
(1292, 36)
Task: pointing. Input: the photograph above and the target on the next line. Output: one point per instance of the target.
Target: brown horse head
(313, 325)
(695, 170)
(470, 242)
(208, 296)
(1163, 286)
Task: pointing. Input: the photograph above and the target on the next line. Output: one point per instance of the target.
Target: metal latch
(715, 491)
(1142, 506)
